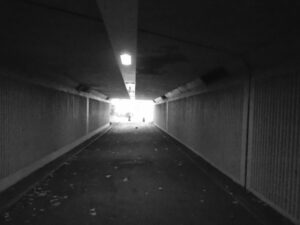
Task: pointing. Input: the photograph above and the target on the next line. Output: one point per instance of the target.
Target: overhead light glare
(126, 59)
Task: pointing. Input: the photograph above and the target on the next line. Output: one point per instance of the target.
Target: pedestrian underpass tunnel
(149, 112)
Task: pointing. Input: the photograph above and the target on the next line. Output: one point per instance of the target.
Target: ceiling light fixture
(126, 59)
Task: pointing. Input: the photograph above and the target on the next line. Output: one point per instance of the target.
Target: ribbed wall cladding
(274, 166)
(3, 131)
(98, 114)
(211, 125)
(160, 115)
(36, 121)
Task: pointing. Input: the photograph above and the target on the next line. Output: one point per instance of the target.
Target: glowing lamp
(126, 59)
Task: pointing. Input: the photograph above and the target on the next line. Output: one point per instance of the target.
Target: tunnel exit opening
(131, 110)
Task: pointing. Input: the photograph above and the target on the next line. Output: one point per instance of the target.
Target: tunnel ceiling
(120, 18)
(67, 41)
(61, 41)
(180, 41)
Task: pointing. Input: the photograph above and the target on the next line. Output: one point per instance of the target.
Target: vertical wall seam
(87, 114)
(167, 115)
(246, 127)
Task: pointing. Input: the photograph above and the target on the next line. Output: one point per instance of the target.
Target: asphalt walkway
(133, 175)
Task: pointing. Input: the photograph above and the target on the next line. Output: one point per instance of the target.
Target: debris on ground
(155, 149)
(235, 202)
(56, 201)
(146, 193)
(160, 188)
(73, 158)
(55, 204)
(30, 199)
(7, 217)
(116, 167)
(180, 163)
(41, 194)
(53, 200)
(125, 179)
(71, 186)
(204, 190)
(108, 176)
(93, 212)
(202, 201)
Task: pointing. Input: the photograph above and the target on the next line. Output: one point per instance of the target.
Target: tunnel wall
(38, 124)
(210, 125)
(274, 142)
(215, 126)
(98, 114)
(160, 115)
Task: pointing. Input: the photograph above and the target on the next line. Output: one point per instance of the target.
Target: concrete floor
(128, 177)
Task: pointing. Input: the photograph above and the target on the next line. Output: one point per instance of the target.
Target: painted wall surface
(160, 115)
(274, 151)
(98, 114)
(35, 122)
(213, 125)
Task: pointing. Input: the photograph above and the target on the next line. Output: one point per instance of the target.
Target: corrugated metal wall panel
(211, 124)
(35, 121)
(214, 125)
(98, 114)
(3, 131)
(160, 117)
(274, 172)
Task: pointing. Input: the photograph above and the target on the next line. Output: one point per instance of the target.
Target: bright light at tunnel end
(126, 59)
(129, 110)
